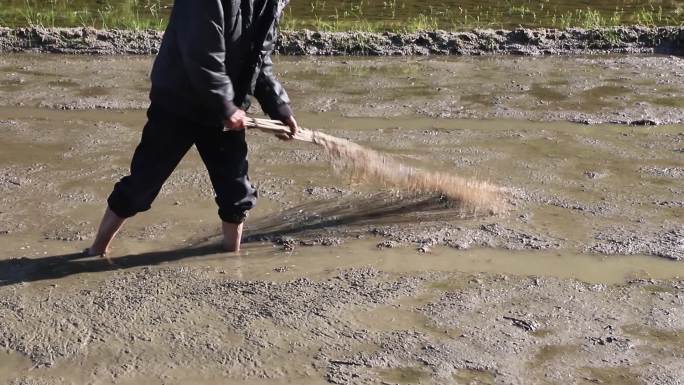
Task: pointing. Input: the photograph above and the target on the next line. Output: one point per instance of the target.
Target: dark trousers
(166, 138)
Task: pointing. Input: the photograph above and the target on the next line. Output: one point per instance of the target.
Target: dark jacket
(214, 54)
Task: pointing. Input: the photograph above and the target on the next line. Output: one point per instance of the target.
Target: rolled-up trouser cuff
(232, 216)
(121, 207)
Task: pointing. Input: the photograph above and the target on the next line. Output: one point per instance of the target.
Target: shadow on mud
(59, 266)
(304, 220)
(343, 214)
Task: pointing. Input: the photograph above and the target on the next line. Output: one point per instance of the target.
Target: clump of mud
(372, 166)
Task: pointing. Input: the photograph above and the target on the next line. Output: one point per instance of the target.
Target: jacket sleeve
(268, 90)
(202, 46)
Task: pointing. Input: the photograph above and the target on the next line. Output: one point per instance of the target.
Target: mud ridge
(628, 40)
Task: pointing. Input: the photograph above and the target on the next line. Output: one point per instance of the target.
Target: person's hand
(292, 124)
(237, 122)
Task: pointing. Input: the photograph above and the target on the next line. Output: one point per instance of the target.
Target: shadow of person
(378, 209)
(13, 271)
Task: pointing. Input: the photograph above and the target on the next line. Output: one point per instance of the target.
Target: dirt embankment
(662, 40)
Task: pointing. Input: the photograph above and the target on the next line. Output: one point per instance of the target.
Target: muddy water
(585, 89)
(580, 180)
(570, 185)
(343, 281)
(262, 262)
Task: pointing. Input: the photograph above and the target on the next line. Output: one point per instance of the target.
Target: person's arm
(199, 29)
(268, 90)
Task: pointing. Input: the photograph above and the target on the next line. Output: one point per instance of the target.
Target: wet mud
(642, 91)
(183, 324)
(521, 41)
(344, 282)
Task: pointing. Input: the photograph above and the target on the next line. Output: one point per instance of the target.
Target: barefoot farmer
(214, 54)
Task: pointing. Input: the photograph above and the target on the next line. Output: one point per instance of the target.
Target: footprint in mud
(551, 353)
(609, 376)
(12, 84)
(547, 94)
(606, 91)
(674, 340)
(94, 91)
(409, 375)
(391, 318)
(64, 83)
(669, 101)
(474, 377)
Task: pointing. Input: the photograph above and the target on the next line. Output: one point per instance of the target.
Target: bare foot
(93, 252)
(109, 226)
(232, 236)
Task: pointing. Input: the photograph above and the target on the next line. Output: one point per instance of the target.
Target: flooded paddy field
(363, 15)
(345, 281)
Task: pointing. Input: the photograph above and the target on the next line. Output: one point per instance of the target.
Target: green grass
(352, 15)
(57, 13)
(582, 18)
(462, 19)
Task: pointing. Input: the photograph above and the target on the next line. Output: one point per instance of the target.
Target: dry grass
(369, 165)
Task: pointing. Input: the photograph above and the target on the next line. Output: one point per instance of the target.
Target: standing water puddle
(583, 267)
(263, 262)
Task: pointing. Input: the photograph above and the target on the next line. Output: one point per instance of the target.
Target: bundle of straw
(370, 165)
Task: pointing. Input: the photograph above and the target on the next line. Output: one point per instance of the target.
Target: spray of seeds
(369, 165)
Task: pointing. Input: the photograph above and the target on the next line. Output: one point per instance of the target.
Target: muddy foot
(91, 252)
